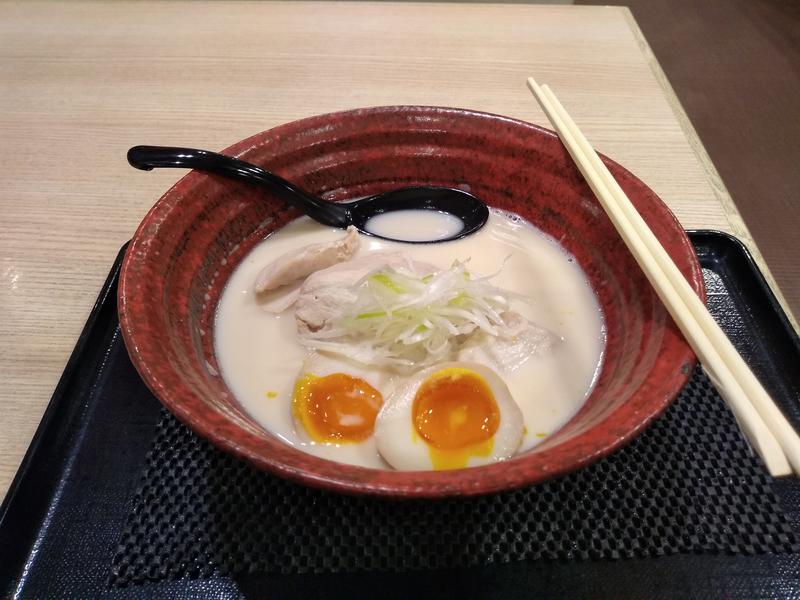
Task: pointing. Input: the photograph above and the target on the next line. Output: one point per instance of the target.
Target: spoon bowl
(471, 211)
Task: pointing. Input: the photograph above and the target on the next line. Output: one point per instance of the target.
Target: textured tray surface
(688, 484)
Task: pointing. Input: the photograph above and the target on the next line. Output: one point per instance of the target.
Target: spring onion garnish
(399, 318)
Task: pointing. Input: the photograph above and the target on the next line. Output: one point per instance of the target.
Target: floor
(735, 66)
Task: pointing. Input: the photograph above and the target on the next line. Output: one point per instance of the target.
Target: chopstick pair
(760, 419)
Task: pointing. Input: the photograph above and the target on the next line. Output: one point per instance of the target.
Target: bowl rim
(356, 480)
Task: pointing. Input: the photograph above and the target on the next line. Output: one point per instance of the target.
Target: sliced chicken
(352, 271)
(315, 309)
(344, 274)
(521, 340)
(325, 293)
(301, 263)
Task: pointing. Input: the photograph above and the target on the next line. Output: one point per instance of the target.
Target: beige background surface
(734, 65)
(82, 82)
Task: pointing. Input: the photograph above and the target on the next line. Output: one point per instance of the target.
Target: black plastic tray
(62, 517)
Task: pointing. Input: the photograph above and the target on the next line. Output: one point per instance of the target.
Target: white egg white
(402, 447)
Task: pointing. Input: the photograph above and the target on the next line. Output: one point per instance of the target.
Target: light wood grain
(768, 431)
(737, 224)
(82, 82)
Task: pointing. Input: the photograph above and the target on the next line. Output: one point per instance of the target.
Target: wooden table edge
(737, 224)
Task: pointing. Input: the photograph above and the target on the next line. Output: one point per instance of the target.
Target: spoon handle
(322, 211)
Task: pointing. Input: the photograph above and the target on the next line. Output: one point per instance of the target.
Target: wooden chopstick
(762, 422)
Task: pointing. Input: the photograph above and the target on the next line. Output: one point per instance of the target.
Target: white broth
(260, 357)
(415, 225)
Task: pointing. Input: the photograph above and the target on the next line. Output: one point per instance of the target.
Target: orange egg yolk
(456, 413)
(336, 408)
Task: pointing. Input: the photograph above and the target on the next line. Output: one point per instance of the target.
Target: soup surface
(415, 225)
(260, 356)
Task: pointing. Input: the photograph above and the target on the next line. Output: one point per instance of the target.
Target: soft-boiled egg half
(336, 401)
(449, 416)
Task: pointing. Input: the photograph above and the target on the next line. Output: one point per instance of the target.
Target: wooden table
(82, 82)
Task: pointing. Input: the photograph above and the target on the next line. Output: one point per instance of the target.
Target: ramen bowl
(186, 248)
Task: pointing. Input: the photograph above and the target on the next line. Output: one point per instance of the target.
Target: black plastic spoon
(471, 211)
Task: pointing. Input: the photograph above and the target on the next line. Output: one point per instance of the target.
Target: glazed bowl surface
(186, 248)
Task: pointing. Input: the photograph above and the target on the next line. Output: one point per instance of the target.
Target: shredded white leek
(402, 319)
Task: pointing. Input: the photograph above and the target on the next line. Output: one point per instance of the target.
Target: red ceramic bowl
(189, 243)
